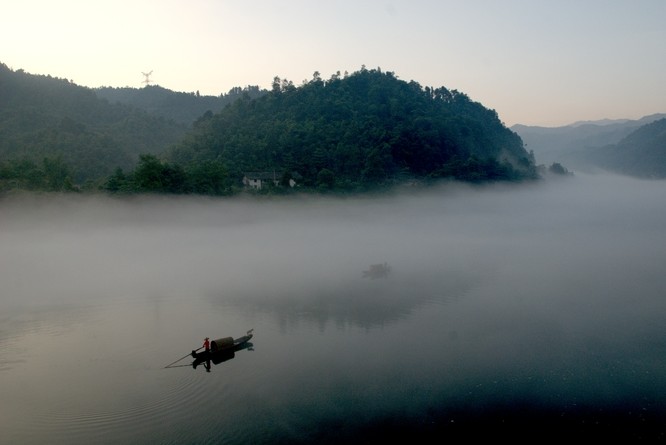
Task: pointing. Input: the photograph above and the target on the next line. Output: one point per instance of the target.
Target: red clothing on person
(206, 344)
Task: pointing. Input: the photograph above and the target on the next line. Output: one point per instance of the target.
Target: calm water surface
(508, 312)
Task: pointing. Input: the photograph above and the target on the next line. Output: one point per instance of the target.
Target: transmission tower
(147, 77)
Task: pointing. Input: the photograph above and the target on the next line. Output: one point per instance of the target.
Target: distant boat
(377, 271)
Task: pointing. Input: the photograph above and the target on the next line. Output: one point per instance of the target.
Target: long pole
(181, 358)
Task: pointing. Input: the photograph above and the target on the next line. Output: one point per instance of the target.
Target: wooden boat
(223, 349)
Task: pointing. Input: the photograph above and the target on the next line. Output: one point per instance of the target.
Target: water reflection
(219, 357)
(355, 300)
(377, 271)
(220, 351)
(502, 307)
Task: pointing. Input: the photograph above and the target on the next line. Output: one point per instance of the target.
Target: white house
(257, 180)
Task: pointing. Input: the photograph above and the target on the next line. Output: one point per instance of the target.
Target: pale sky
(535, 62)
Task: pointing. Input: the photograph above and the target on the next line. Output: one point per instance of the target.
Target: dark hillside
(363, 130)
(45, 117)
(183, 108)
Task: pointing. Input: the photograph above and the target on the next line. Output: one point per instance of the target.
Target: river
(523, 310)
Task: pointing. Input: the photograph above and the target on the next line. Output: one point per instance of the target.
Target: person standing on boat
(206, 344)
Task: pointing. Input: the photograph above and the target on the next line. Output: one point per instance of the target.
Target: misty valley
(516, 310)
(260, 227)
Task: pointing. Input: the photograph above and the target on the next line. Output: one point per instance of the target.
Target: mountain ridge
(620, 146)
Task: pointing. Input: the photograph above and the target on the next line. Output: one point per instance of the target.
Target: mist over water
(549, 294)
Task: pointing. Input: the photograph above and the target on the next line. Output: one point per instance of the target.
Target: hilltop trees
(365, 130)
(183, 108)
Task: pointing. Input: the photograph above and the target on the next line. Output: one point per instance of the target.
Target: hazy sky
(535, 62)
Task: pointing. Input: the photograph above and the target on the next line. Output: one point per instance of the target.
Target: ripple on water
(175, 402)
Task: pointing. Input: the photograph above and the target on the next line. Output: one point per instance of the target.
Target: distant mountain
(183, 108)
(42, 117)
(600, 122)
(641, 154)
(567, 144)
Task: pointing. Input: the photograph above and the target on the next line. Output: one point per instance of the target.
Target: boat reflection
(218, 357)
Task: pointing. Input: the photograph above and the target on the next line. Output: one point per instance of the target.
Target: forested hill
(358, 131)
(180, 107)
(52, 130)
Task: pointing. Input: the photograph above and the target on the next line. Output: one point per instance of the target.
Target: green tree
(174, 179)
(325, 179)
(56, 175)
(117, 182)
(208, 178)
(148, 174)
